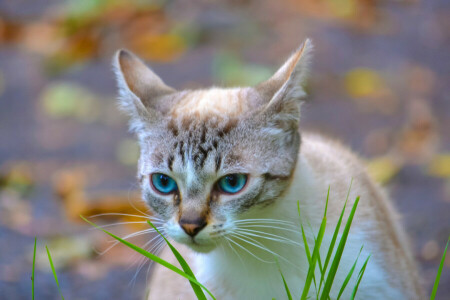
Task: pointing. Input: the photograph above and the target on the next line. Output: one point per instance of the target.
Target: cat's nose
(192, 226)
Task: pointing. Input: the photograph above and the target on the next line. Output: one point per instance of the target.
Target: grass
(438, 275)
(32, 272)
(197, 289)
(156, 259)
(54, 272)
(327, 276)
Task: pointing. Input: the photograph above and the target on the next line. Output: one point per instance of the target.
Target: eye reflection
(232, 183)
(163, 183)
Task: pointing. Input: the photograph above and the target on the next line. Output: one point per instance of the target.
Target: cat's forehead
(214, 102)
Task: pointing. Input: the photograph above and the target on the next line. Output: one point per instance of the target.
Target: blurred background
(379, 82)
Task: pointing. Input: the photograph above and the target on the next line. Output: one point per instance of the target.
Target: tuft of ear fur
(139, 90)
(283, 91)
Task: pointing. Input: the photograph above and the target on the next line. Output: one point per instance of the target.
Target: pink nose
(192, 226)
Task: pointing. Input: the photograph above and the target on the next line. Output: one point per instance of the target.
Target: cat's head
(212, 157)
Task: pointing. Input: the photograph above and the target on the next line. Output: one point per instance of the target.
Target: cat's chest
(244, 277)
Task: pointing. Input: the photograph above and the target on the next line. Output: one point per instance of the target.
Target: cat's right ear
(139, 90)
(282, 94)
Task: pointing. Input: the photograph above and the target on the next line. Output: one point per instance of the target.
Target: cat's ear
(283, 92)
(140, 89)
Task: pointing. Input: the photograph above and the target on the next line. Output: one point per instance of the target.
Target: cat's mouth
(198, 246)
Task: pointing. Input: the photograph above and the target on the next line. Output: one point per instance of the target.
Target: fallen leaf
(420, 80)
(440, 166)
(430, 250)
(18, 177)
(231, 71)
(418, 140)
(41, 37)
(383, 169)
(15, 212)
(127, 152)
(69, 186)
(158, 47)
(64, 99)
(363, 82)
(65, 251)
(73, 50)
(342, 8)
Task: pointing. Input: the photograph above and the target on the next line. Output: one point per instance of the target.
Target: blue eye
(232, 183)
(163, 183)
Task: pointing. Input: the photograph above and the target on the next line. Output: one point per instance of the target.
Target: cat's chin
(201, 248)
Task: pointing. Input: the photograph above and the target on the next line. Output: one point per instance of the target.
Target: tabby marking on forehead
(217, 102)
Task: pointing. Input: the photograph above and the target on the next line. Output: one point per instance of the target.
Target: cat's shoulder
(321, 149)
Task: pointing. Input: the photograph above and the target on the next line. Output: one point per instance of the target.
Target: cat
(224, 168)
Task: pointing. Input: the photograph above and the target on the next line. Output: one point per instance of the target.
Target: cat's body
(322, 163)
(198, 139)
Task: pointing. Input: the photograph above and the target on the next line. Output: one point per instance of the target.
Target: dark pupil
(232, 180)
(164, 180)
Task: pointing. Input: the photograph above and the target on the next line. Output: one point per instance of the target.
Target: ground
(379, 82)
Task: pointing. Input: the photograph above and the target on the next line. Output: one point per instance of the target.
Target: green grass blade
(349, 275)
(338, 255)
(326, 203)
(152, 257)
(314, 258)
(360, 275)
(197, 289)
(32, 272)
(305, 242)
(288, 292)
(335, 234)
(438, 275)
(319, 261)
(54, 272)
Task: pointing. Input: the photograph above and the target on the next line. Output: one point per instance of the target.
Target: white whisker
(237, 254)
(143, 260)
(115, 242)
(269, 236)
(248, 251)
(127, 215)
(265, 221)
(119, 223)
(267, 226)
(137, 209)
(259, 245)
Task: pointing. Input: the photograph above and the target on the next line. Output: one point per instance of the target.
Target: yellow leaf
(163, 47)
(65, 251)
(64, 99)
(343, 8)
(127, 152)
(382, 169)
(362, 82)
(440, 166)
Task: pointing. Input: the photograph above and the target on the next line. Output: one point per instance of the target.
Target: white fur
(223, 265)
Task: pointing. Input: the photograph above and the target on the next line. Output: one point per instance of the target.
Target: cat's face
(210, 158)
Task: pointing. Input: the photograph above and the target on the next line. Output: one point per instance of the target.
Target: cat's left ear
(283, 92)
(141, 92)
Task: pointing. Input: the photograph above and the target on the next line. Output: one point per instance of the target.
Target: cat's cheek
(159, 205)
(235, 205)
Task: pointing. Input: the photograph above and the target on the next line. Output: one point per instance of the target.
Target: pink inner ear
(293, 69)
(128, 70)
(287, 69)
(139, 78)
